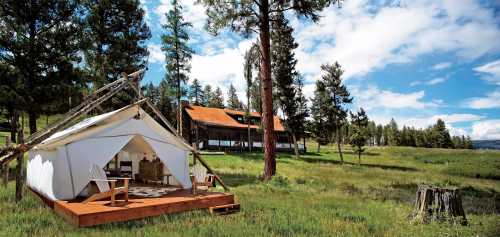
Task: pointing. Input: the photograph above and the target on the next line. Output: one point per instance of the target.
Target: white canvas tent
(58, 168)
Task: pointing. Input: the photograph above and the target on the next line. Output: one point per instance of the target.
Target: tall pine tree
(285, 76)
(232, 99)
(254, 16)
(337, 98)
(319, 125)
(217, 100)
(196, 92)
(116, 34)
(39, 43)
(359, 136)
(207, 96)
(177, 54)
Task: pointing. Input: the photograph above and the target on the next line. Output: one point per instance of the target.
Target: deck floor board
(100, 212)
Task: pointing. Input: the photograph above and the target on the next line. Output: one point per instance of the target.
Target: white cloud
(436, 81)
(442, 65)
(490, 72)
(364, 37)
(373, 97)
(490, 101)
(155, 54)
(485, 130)
(222, 69)
(192, 12)
(415, 83)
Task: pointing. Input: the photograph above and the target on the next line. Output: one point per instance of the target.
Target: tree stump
(438, 204)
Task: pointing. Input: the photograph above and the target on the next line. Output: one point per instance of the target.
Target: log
(438, 204)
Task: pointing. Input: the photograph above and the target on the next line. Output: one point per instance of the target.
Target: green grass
(313, 196)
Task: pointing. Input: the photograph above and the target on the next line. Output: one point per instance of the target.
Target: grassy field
(313, 196)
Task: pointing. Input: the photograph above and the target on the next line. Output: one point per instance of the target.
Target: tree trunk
(248, 122)
(20, 170)
(249, 138)
(179, 106)
(295, 146)
(339, 147)
(318, 146)
(32, 122)
(359, 157)
(267, 93)
(14, 120)
(438, 204)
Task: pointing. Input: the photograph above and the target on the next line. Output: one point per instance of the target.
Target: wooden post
(5, 168)
(20, 169)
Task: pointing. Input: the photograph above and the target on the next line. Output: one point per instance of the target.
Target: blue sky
(414, 61)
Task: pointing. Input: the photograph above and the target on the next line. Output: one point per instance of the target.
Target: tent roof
(93, 125)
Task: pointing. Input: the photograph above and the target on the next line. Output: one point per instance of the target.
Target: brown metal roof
(220, 117)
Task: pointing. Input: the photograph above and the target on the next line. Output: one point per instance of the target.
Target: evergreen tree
(232, 99)
(255, 99)
(359, 136)
(372, 131)
(166, 105)
(116, 34)
(319, 125)
(379, 135)
(177, 54)
(217, 100)
(247, 73)
(39, 43)
(152, 93)
(392, 133)
(196, 93)
(337, 97)
(441, 136)
(207, 96)
(11, 102)
(286, 78)
(255, 16)
(297, 121)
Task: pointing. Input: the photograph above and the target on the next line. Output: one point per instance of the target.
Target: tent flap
(175, 159)
(83, 154)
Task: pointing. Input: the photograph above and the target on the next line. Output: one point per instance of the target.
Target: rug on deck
(150, 192)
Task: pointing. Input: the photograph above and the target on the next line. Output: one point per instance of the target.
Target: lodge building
(226, 129)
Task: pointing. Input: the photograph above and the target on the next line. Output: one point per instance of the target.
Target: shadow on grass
(388, 167)
(234, 180)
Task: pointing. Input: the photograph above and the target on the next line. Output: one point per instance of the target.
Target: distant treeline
(436, 136)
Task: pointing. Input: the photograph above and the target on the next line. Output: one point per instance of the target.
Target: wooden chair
(200, 177)
(98, 176)
(126, 168)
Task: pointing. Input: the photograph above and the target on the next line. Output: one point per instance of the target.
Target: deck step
(224, 209)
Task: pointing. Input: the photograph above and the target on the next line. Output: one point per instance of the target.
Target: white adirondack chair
(98, 176)
(200, 177)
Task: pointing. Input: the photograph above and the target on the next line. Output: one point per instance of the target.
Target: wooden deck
(100, 212)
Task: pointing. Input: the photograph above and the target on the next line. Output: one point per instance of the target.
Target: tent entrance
(139, 161)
